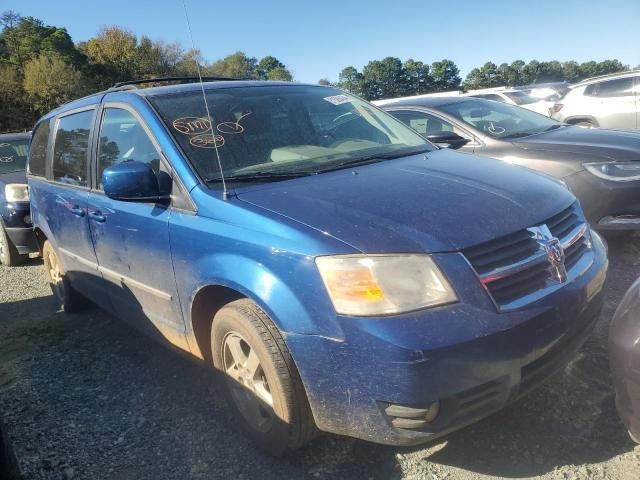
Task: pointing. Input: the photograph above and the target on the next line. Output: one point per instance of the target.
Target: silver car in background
(609, 101)
(512, 96)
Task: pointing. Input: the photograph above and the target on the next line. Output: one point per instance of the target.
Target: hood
(13, 177)
(444, 202)
(611, 145)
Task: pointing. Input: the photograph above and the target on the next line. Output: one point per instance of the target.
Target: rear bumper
(405, 361)
(607, 205)
(16, 219)
(24, 239)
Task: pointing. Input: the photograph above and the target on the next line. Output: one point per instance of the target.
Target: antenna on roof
(225, 192)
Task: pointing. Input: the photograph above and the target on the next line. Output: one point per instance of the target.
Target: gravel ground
(84, 396)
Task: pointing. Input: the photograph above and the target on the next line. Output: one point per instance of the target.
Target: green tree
(325, 82)
(352, 81)
(24, 38)
(15, 111)
(49, 81)
(571, 72)
(113, 53)
(279, 73)
(416, 78)
(270, 68)
(483, 77)
(236, 65)
(445, 76)
(384, 79)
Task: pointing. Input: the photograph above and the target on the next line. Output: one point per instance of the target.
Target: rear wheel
(9, 255)
(70, 300)
(261, 380)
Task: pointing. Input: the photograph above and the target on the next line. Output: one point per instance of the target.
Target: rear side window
(620, 87)
(70, 152)
(38, 150)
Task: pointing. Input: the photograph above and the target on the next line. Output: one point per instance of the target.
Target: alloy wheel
(55, 274)
(247, 382)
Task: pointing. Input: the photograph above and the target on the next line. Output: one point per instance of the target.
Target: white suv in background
(514, 97)
(609, 101)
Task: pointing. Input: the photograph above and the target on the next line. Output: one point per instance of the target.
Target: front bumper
(607, 205)
(468, 357)
(16, 220)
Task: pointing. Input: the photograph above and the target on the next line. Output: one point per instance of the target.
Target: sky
(318, 39)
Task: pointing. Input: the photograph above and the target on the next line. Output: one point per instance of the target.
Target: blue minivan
(342, 273)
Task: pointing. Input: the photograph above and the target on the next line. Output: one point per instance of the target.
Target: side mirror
(132, 181)
(446, 139)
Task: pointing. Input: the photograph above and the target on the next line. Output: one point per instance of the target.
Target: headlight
(363, 285)
(16, 192)
(615, 171)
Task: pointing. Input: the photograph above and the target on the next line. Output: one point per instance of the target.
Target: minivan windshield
(13, 155)
(499, 120)
(270, 133)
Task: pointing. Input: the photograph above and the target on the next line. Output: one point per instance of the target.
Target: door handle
(97, 216)
(77, 211)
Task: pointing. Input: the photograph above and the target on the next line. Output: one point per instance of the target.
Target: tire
(70, 300)
(634, 438)
(615, 235)
(9, 255)
(261, 370)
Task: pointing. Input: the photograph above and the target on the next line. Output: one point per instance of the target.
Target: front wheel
(70, 300)
(262, 382)
(9, 255)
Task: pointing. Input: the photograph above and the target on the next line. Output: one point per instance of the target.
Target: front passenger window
(123, 139)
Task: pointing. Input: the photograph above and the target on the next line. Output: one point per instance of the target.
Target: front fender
(297, 304)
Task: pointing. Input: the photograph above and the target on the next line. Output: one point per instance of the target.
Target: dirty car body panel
(262, 240)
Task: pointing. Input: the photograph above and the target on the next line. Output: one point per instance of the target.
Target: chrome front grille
(522, 267)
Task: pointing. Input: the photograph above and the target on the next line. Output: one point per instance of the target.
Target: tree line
(41, 67)
(390, 77)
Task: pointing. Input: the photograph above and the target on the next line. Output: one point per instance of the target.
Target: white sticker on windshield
(337, 99)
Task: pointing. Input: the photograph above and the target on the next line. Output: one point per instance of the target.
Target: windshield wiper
(369, 159)
(516, 135)
(258, 176)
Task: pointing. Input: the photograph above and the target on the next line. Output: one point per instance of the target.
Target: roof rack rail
(609, 75)
(133, 83)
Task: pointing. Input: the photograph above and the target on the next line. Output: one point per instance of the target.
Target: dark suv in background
(16, 233)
